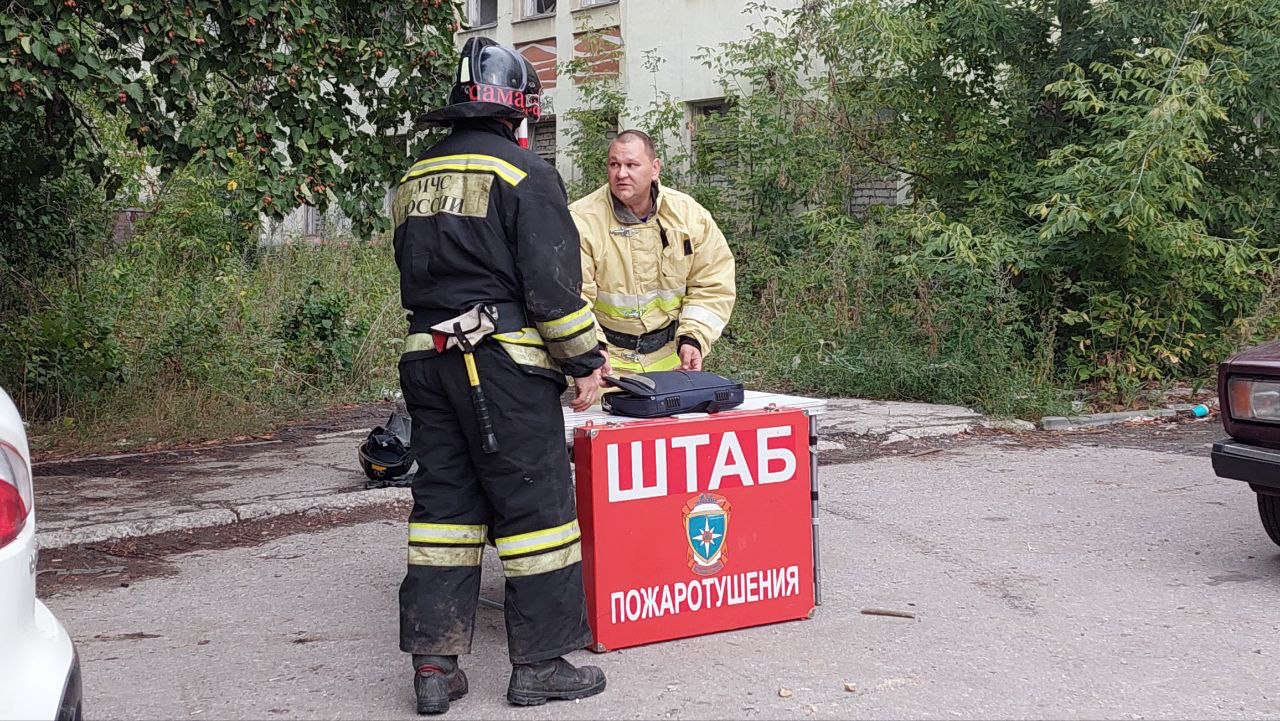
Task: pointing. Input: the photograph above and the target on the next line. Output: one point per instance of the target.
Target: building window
(709, 116)
(878, 186)
(312, 221)
(542, 139)
(538, 8)
(591, 3)
(711, 139)
(482, 12)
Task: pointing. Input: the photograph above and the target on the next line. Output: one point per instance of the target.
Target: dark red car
(1249, 397)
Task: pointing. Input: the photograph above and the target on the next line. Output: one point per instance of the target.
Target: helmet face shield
(496, 65)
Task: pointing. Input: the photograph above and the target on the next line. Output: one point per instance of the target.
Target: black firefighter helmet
(384, 454)
(492, 81)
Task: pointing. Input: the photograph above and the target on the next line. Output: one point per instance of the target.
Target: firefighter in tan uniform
(655, 266)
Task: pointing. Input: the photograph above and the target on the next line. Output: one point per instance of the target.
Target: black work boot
(533, 684)
(437, 680)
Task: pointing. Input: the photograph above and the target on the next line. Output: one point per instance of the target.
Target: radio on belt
(666, 393)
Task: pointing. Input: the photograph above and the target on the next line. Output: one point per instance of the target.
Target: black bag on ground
(666, 393)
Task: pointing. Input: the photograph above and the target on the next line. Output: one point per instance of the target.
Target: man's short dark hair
(640, 135)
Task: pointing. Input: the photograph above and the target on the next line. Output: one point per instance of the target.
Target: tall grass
(856, 314)
(192, 331)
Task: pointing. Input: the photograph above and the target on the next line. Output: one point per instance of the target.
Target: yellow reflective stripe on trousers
(468, 162)
(538, 540)
(444, 556)
(528, 355)
(543, 562)
(567, 325)
(446, 533)
(418, 341)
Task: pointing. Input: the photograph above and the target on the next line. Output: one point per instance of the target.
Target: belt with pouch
(647, 343)
(508, 318)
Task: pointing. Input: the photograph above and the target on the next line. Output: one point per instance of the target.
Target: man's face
(631, 170)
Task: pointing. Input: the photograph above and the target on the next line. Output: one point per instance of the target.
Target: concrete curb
(1072, 423)
(1012, 425)
(212, 517)
(144, 454)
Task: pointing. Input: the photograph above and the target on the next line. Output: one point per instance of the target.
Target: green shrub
(53, 217)
(191, 330)
(1091, 192)
(61, 357)
(855, 311)
(319, 336)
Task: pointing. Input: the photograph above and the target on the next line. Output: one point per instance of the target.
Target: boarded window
(542, 55)
(312, 221)
(599, 52)
(874, 192)
(542, 139)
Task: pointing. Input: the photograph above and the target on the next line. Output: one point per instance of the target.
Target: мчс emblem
(706, 521)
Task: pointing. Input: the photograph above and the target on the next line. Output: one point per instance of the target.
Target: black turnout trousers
(521, 499)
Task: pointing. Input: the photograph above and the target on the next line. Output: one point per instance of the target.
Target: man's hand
(607, 368)
(588, 387)
(690, 358)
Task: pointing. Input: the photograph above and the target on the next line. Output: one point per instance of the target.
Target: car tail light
(1254, 400)
(15, 493)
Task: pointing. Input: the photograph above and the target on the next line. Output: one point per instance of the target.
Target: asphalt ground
(1095, 575)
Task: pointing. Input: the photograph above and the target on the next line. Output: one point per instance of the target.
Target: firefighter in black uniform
(491, 276)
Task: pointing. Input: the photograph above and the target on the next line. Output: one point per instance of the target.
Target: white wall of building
(679, 30)
(676, 30)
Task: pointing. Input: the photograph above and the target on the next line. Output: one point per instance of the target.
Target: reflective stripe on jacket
(478, 219)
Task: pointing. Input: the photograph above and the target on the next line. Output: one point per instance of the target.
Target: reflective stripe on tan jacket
(637, 286)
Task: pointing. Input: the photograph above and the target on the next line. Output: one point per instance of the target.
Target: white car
(39, 668)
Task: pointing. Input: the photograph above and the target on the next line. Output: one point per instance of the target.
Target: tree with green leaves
(294, 102)
(1114, 161)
